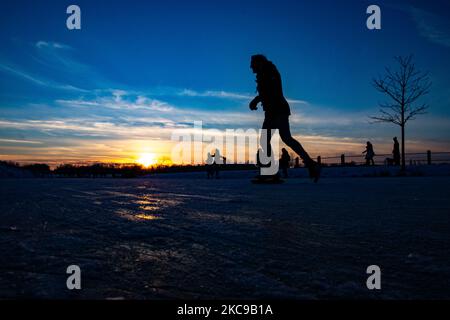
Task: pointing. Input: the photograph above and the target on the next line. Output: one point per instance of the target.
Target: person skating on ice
(276, 110)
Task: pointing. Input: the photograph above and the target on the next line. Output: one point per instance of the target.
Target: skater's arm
(254, 103)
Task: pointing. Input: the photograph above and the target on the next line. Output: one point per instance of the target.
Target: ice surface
(183, 236)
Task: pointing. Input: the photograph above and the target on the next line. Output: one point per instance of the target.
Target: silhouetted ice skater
(284, 162)
(396, 152)
(277, 111)
(369, 154)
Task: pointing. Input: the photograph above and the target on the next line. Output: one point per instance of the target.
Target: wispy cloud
(120, 101)
(63, 62)
(82, 127)
(37, 80)
(14, 141)
(226, 95)
(59, 56)
(45, 44)
(215, 94)
(431, 26)
(23, 75)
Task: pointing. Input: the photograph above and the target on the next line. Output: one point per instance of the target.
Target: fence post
(319, 159)
(343, 159)
(429, 157)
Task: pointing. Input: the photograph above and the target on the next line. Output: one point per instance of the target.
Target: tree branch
(417, 111)
(404, 86)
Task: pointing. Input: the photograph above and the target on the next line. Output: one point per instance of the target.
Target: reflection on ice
(133, 216)
(147, 217)
(145, 207)
(149, 208)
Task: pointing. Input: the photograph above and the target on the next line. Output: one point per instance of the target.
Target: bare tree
(404, 87)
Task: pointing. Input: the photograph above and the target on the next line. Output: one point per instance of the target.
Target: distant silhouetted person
(277, 111)
(396, 152)
(369, 154)
(209, 166)
(218, 160)
(284, 162)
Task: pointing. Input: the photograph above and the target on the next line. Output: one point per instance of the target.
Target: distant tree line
(100, 170)
(37, 169)
(111, 170)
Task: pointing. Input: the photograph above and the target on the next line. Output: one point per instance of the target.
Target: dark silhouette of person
(284, 162)
(277, 111)
(209, 165)
(217, 161)
(396, 152)
(369, 154)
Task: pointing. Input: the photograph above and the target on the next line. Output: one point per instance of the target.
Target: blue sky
(137, 70)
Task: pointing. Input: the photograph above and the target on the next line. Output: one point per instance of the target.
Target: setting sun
(147, 159)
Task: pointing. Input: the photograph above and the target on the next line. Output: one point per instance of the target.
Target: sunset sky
(138, 70)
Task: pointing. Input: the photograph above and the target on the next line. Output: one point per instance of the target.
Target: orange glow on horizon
(147, 159)
(149, 153)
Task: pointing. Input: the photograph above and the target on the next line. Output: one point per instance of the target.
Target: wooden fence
(417, 158)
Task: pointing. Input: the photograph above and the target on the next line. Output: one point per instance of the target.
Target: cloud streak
(227, 95)
(39, 81)
(431, 26)
(14, 141)
(55, 45)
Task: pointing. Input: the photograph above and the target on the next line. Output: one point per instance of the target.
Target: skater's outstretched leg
(286, 137)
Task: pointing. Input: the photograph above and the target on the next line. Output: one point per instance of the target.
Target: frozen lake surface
(181, 236)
